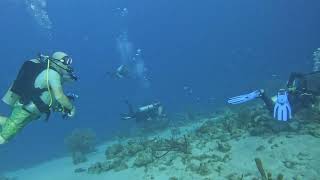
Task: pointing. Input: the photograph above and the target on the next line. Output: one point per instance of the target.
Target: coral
(264, 175)
(99, 167)
(133, 148)
(80, 170)
(144, 158)
(114, 151)
(80, 143)
(169, 145)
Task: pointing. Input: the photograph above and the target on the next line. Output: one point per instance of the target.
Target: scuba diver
(148, 113)
(121, 73)
(302, 91)
(38, 90)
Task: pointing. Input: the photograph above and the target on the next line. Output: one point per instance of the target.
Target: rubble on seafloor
(7, 178)
(215, 133)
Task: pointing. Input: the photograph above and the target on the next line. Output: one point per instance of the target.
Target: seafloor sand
(296, 156)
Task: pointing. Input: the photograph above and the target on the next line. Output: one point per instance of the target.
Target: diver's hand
(72, 112)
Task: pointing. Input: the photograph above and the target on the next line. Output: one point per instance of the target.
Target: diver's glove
(246, 97)
(66, 113)
(282, 109)
(72, 96)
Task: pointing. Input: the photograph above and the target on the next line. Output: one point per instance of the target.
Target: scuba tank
(148, 107)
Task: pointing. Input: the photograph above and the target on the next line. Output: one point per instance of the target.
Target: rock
(114, 151)
(194, 166)
(95, 169)
(80, 170)
(260, 148)
(258, 131)
(226, 158)
(203, 169)
(99, 167)
(274, 146)
(315, 133)
(290, 164)
(7, 178)
(122, 166)
(134, 148)
(234, 176)
(294, 126)
(303, 156)
(143, 158)
(223, 147)
(173, 178)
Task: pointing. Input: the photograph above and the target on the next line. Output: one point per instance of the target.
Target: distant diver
(302, 91)
(148, 113)
(38, 90)
(122, 72)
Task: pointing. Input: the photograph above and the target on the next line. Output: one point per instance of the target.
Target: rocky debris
(315, 133)
(134, 148)
(80, 170)
(261, 148)
(173, 178)
(7, 178)
(201, 168)
(197, 151)
(265, 175)
(101, 167)
(144, 158)
(114, 151)
(290, 164)
(223, 147)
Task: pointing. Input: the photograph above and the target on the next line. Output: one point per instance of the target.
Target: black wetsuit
(306, 89)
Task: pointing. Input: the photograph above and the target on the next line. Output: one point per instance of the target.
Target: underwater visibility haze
(160, 89)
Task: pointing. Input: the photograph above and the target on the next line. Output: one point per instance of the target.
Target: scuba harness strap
(24, 85)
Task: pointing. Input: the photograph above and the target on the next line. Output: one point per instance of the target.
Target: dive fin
(245, 98)
(282, 109)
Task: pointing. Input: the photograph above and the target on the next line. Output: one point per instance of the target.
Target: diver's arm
(267, 101)
(57, 90)
(293, 77)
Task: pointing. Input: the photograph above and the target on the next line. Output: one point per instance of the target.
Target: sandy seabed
(296, 156)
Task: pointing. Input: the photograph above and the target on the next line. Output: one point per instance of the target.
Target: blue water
(219, 48)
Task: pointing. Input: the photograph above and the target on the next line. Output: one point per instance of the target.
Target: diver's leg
(267, 101)
(293, 76)
(2, 140)
(131, 112)
(18, 119)
(3, 120)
